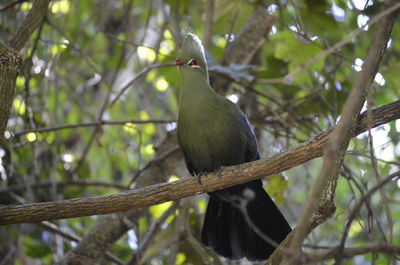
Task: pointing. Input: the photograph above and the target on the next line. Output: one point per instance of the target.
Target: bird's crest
(193, 49)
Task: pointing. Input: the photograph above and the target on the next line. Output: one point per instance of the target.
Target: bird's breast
(211, 140)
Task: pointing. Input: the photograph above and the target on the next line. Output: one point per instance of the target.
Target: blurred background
(95, 106)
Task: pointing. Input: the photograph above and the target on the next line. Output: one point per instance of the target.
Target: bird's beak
(178, 62)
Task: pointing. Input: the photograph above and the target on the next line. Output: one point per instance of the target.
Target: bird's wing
(251, 147)
(192, 170)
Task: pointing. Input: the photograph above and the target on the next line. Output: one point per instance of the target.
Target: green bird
(212, 133)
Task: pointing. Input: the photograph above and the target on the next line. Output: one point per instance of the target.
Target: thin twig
(11, 4)
(89, 124)
(142, 73)
(45, 184)
(290, 76)
(157, 159)
(106, 100)
(53, 228)
(89, 61)
(363, 199)
(135, 44)
(378, 247)
(152, 231)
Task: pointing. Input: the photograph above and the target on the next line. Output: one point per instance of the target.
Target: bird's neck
(194, 93)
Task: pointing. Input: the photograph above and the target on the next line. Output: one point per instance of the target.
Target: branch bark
(10, 61)
(159, 193)
(31, 23)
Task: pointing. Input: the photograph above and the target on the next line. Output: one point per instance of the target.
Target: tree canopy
(88, 108)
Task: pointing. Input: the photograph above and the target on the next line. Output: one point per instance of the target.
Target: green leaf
(276, 187)
(34, 248)
(157, 210)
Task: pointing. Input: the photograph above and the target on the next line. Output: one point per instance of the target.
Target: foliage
(87, 51)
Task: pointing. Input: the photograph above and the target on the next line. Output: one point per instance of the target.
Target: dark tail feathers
(226, 231)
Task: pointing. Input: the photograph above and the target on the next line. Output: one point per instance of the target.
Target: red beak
(178, 62)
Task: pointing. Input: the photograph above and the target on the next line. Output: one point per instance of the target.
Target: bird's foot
(200, 174)
(218, 171)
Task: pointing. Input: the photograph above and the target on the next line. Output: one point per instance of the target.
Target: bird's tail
(227, 231)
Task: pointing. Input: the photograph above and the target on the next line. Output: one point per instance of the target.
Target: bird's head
(191, 58)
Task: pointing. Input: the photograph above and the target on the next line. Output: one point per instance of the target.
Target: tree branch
(208, 24)
(288, 79)
(163, 192)
(90, 124)
(10, 61)
(351, 252)
(94, 245)
(11, 4)
(357, 207)
(61, 184)
(139, 75)
(247, 42)
(30, 24)
(54, 229)
(152, 231)
(334, 149)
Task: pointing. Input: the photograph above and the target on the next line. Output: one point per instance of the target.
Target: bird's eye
(178, 62)
(193, 62)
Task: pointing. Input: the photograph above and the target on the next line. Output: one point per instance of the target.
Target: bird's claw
(218, 172)
(203, 173)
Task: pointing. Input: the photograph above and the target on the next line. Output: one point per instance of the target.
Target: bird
(213, 133)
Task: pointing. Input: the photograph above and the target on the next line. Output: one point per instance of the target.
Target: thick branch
(10, 63)
(159, 193)
(30, 24)
(370, 67)
(247, 42)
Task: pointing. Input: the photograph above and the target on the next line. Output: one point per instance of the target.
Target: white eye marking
(193, 62)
